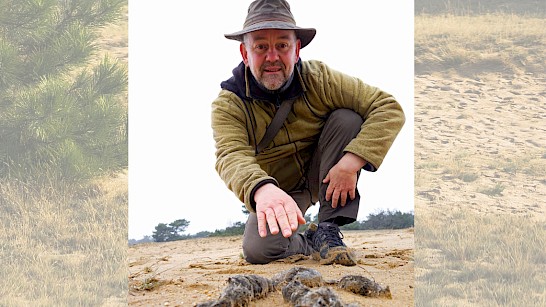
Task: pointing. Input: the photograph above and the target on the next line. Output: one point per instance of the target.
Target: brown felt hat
(272, 14)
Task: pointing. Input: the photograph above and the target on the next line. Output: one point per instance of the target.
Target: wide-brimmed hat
(272, 14)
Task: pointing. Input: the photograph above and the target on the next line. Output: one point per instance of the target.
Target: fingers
(340, 197)
(341, 186)
(261, 224)
(329, 192)
(276, 208)
(271, 221)
(343, 198)
(327, 179)
(292, 215)
(296, 218)
(277, 218)
(335, 198)
(301, 219)
(267, 217)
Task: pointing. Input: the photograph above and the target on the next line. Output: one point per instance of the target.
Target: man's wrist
(256, 188)
(354, 162)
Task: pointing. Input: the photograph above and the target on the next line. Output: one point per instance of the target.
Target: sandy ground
(184, 273)
(490, 127)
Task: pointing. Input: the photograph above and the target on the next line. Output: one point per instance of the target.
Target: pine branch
(72, 125)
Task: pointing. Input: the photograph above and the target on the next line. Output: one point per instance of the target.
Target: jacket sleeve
(382, 114)
(235, 160)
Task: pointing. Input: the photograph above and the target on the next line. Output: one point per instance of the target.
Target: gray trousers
(340, 128)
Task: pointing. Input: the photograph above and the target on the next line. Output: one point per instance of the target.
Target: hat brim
(305, 35)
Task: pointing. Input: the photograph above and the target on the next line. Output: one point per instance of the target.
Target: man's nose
(272, 55)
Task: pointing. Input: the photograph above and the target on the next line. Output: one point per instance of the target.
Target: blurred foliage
(59, 115)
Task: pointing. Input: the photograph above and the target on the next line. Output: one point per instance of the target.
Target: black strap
(276, 124)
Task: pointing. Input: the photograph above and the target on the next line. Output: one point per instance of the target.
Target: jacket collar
(244, 85)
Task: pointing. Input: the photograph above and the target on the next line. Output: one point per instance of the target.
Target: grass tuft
(488, 259)
(495, 42)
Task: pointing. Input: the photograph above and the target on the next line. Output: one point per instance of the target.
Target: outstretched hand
(342, 179)
(276, 208)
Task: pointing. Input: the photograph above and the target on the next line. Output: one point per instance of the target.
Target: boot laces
(329, 234)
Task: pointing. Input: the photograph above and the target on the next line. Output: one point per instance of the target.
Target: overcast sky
(177, 58)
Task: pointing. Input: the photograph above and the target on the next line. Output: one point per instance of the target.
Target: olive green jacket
(239, 122)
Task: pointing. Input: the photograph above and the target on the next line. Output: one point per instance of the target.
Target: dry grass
(63, 244)
(471, 44)
(480, 7)
(467, 258)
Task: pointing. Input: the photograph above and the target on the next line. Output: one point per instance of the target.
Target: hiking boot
(326, 239)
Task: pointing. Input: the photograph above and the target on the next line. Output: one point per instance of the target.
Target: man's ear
(298, 47)
(244, 53)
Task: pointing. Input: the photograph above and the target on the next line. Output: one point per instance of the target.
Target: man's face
(271, 55)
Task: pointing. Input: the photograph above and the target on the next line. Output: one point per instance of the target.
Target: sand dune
(183, 273)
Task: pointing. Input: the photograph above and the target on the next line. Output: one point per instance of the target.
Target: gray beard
(281, 89)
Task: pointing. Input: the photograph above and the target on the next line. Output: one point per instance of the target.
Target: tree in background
(59, 114)
(161, 233)
(380, 220)
(172, 232)
(383, 220)
(179, 226)
(145, 239)
(238, 228)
